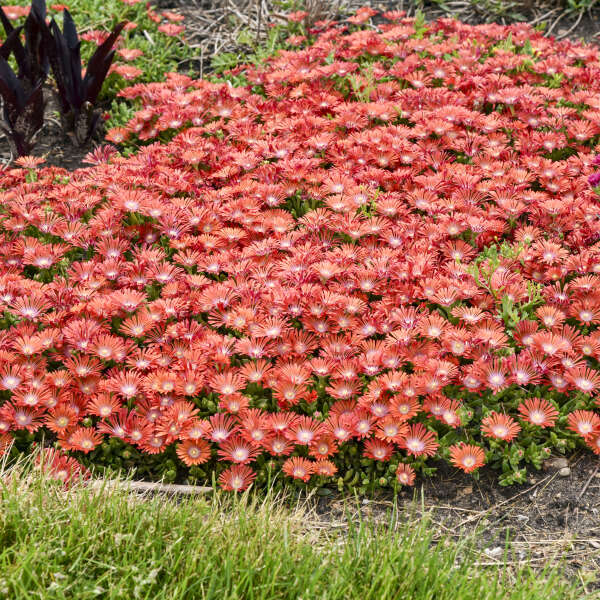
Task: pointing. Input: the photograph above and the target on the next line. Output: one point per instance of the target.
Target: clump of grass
(88, 543)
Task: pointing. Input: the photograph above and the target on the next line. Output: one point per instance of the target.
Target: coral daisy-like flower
(85, 439)
(341, 427)
(236, 478)
(127, 72)
(61, 467)
(126, 383)
(305, 430)
(584, 379)
(405, 474)
(299, 468)
(103, 406)
(467, 457)
(11, 377)
(538, 411)
(6, 442)
(593, 442)
(22, 417)
(585, 423)
(391, 429)
(319, 276)
(444, 409)
(30, 308)
(255, 425)
(234, 404)
(116, 425)
(495, 375)
(27, 162)
(324, 447)
(171, 29)
(278, 445)
(325, 468)
(129, 53)
(226, 383)
(378, 449)
(404, 408)
(220, 427)
(419, 440)
(500, 426)
(237, 449)
(193, 452)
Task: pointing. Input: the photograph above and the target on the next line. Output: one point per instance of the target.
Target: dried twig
(260, 10)
(542, 17)
(560, 17)
(587, 484)
(573, 27)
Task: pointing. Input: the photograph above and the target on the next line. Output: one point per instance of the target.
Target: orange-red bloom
(584, 422)
(418, 440)
(299, 468)
(312, 281)
(467, 457)
(84, 439)
(538, 411)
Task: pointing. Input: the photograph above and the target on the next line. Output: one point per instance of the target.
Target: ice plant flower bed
(380, 251)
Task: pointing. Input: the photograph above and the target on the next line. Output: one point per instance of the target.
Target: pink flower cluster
(311, 258)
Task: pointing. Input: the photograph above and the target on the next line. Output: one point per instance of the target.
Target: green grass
(82, 544)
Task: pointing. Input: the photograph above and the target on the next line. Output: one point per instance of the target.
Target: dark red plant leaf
(99, 64)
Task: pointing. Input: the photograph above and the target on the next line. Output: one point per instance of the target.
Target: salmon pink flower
(171, 29)
(499, 426)
(538, 411)
(313, 269)
(299, 468)
(585, 423)
(84, 439)
(193, 452)
(419, 441)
